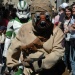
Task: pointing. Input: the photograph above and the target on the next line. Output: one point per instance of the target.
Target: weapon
(30, 60)
(31, 48)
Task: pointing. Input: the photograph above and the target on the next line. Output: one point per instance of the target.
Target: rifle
(30, 60)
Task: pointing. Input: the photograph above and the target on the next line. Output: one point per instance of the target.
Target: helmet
(23, 10)
(64, 5)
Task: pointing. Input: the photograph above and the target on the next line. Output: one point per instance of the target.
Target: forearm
(52, 58)
(71, 29)
(56, 53)
(6, 46)
(49, 61)
(3, 38)
(59, 24)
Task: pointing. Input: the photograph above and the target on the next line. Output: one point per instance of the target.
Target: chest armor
(16, 26)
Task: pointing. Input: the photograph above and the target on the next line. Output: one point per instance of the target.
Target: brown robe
(53, 49)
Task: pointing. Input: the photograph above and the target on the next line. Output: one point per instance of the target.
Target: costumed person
(22, 16)
(40, 41)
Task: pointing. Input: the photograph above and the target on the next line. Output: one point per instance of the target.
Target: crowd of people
(25, 40)
(65, 19)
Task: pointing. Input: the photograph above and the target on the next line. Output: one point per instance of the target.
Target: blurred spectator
(72, 23)
(72, 40)
(54, 14)
(68, 15)
(62, 14)
(0, 14)
(53, 8)
(5, 18)
(13, 13)
(56, 20)
(73, 9)
(2, 39)
(2, 9)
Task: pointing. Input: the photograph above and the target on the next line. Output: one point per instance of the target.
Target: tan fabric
(53, 48)
(41, 5)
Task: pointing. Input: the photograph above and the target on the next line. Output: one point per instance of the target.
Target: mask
(42, 21)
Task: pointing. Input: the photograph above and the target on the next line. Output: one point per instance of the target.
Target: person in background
(68, 16)
(53, 8)
(0, 14)
(2, 39)
(5, 18)
(72, 40)
(54, 14)
(62, 14)
(56, 20)
(13, 13)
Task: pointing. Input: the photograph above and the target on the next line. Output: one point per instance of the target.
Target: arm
(13, 54)
(8, 37)
(61, 19)
(3, 38)
(59, 24)
(66, 29)
(72, 25)
(57, 52)
(72, 28)
(52, 58)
